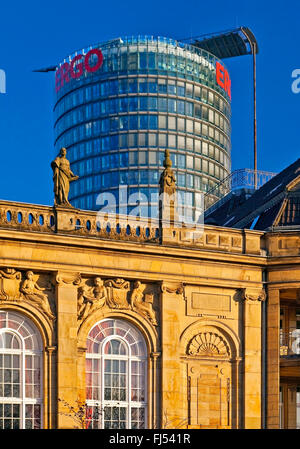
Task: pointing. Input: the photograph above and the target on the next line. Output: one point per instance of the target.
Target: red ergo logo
(75, 68)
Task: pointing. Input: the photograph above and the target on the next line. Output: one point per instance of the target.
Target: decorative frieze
(141, 303)
(90, 299)
(33, 293)
(116, 294)
(17, 288)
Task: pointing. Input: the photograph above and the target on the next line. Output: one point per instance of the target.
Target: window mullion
(22, 392)
(129, 390)
(102, 387)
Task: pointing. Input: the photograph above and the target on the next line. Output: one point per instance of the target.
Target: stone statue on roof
(62, 176)
(167, 180)
(167, 193)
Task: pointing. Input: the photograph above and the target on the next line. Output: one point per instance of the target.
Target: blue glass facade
(150, 94)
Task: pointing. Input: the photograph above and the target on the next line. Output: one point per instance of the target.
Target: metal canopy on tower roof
(227, 44)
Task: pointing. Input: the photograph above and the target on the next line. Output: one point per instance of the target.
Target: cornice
(93, 243)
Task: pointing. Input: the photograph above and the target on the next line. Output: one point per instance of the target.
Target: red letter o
(97, 66)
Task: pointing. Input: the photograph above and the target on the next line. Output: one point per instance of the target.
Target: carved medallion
(253, 294)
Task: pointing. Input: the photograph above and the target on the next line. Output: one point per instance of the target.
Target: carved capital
(51, 349)
(253, 294)
(172, 288)
(155, 355)
(68, 278)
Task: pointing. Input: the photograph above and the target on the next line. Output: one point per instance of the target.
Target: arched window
(20, 373)
(116, 375)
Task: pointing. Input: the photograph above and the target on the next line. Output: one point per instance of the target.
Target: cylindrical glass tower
(121, 103)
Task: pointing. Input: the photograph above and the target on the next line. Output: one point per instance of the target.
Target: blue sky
(36, 34)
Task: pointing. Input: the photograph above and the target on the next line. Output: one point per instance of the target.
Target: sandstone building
(150, 326)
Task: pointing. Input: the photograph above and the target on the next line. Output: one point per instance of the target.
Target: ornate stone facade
(199, 304)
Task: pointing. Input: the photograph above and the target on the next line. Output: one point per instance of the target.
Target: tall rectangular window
(152, 121)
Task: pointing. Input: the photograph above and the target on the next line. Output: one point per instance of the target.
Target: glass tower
(120, 104)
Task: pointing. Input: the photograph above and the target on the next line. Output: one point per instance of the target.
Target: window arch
(20, 373)
(116, 376)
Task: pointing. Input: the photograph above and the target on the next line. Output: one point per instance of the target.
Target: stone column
(49, 377)
(273, 373)
(81, 375)
(66, 291)
(252, 357)
(235, 393)
(171, 400)
(155, 388)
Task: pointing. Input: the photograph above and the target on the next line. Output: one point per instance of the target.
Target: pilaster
(66, 296)
(273, 362)
(171, 401)
(252, 357)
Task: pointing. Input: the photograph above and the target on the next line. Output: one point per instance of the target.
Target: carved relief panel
(118, 294)
(34, 289)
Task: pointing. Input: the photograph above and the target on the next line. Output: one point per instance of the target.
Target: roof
(228, 204)
(275, 204)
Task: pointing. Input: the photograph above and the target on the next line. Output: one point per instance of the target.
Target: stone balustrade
(61, 220)
(26, 217)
